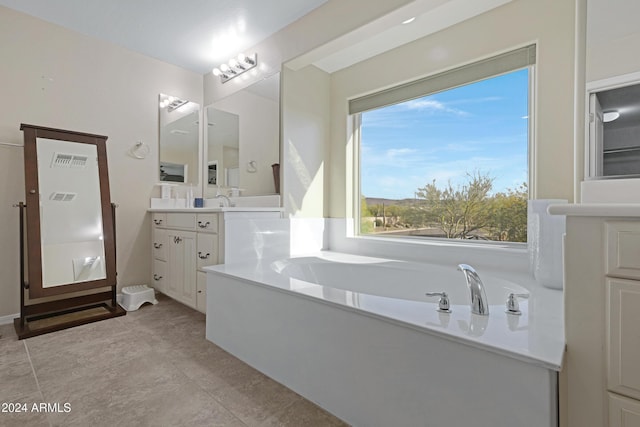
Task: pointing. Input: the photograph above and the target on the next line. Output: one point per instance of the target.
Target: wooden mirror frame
(32, 195)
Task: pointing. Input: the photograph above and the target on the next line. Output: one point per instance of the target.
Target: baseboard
(6, 320)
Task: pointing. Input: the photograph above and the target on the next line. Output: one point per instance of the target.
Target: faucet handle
(513, 307)
(443, 303)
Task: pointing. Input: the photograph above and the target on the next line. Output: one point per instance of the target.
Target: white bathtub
(357, 336)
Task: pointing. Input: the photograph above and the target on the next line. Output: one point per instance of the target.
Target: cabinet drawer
(207, 250)
(159, 275)
(623, 249)
(207, 222)
(201, 292)
(623, 336)
(159, 244)
(623, 412)
(159, 219)
(182, 221)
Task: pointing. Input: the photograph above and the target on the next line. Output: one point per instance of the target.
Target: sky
(481, 127)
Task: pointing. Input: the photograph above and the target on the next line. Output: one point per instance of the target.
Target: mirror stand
(67, 232)
(41, 318)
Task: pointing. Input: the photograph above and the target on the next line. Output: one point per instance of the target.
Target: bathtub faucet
(479, 303)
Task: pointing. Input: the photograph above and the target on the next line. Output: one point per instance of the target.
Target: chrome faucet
(226, 201)
(479, 304)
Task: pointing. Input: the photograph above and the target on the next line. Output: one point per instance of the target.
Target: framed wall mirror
(179, 137)
(242, 140)
(69, 221)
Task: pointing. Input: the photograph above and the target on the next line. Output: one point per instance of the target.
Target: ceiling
(193, 34)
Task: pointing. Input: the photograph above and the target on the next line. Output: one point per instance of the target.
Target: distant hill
(388, 202)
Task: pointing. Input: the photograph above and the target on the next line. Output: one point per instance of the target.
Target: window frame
(356, 134)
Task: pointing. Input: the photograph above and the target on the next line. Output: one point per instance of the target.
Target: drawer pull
(157, 221)
(157, 278)
(177, 239)
(203, 225)
(203, 256)
(199, 292)
(157, 245)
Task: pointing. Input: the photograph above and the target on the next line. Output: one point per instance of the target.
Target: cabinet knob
(157, 221)
(203, 225)
(177, 239)
(156, 277)
(157, 245)
(203, 256)
(199, 292)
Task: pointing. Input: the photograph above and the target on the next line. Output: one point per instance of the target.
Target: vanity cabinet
(602, 321)
(183, 244)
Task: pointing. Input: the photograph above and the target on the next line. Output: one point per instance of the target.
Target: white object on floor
(133, 297)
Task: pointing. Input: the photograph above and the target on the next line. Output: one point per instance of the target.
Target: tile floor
(152, 367)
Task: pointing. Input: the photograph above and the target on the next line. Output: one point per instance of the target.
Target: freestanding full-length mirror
(70, 227)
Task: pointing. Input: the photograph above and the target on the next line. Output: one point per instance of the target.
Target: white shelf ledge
(597, 209)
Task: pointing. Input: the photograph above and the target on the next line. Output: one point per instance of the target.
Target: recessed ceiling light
(409, 21)
(610, 116)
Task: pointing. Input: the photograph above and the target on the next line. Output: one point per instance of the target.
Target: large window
(447, 156)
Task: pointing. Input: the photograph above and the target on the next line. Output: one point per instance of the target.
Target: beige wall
(305, 141)
(613, 37)
(324, 24)
(550, 23)
(88, 86)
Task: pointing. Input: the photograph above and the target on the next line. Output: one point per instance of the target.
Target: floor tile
(152, 367)
(303, 413)
(256, 402)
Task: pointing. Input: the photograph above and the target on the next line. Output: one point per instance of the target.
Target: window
(447, 156)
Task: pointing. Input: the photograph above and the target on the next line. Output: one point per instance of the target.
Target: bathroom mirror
(242, 134)
(70, 238)
(179, 136)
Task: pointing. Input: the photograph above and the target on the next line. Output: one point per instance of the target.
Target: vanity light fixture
(610, 116)
(172, 103)
(235, 67)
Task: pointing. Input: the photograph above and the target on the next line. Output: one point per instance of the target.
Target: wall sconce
(235, 67)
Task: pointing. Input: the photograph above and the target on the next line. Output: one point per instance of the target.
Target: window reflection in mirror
(179, 135)
(70, 212)
(242, 137)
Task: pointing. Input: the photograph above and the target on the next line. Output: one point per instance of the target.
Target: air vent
(63, 160)
(59, 196)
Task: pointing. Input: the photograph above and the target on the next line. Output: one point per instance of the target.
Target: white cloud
(432, 105)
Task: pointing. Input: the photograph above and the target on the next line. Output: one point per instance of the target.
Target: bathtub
(358, 336)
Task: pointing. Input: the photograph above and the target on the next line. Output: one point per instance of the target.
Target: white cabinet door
(623, 336)
(181, 265)
(623, 412)
(623, 249)
(207, 252)
(159, 244)
(201, 296)
(159, 275)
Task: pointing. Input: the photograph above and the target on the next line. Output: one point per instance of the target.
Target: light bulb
(216, 72)
(241, 57)
(233, 62)
(610, 116)
(224, 68)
